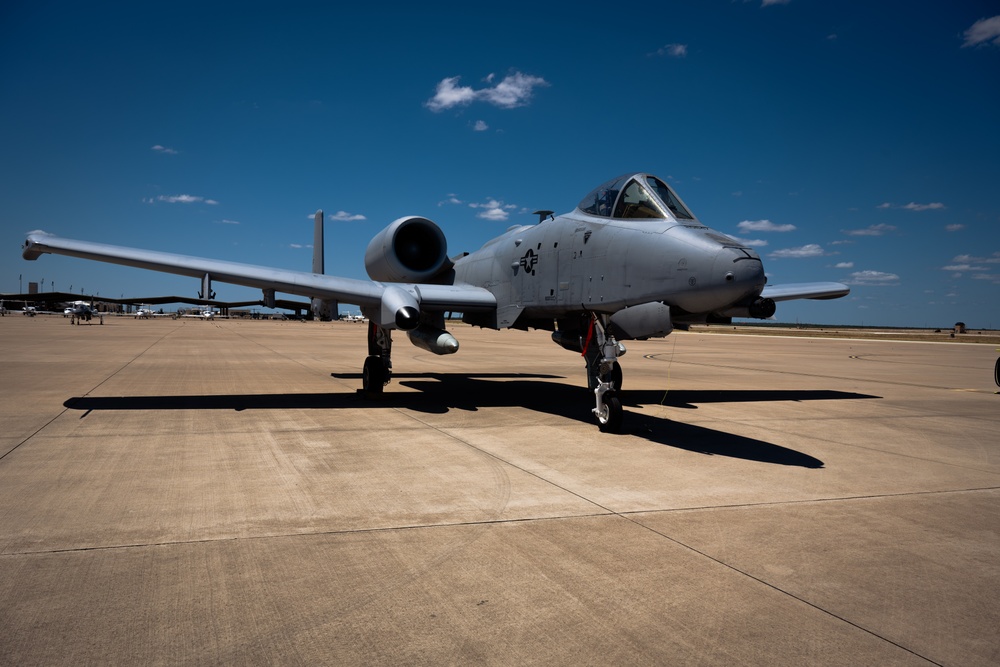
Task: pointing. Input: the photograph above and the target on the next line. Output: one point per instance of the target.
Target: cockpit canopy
(635, 196)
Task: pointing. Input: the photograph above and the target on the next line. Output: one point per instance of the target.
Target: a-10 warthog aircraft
(630, 262)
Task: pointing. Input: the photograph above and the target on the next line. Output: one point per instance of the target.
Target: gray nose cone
(739, 271)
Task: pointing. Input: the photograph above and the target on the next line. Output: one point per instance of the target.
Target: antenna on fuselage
(544, 214)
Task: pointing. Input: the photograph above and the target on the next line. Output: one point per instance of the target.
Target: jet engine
(410, 250)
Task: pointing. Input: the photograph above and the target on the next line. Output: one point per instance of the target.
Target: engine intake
(410, 250)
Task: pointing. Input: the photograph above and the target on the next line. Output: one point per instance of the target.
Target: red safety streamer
(590, 335)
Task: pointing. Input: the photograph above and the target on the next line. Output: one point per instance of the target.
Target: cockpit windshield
(601, 200)
(669, 198)
(632, 197)
(635, 202)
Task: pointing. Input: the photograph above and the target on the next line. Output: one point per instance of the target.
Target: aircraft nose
(741, 270)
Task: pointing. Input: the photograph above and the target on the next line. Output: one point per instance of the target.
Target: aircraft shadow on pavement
(438, 393)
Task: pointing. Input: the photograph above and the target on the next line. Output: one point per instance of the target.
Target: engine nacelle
(410, 250)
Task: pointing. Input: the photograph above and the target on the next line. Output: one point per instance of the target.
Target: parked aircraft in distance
(81, 311)
(204, 314)
(631, 261)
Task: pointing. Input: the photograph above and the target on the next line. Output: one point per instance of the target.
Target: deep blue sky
(850, 141)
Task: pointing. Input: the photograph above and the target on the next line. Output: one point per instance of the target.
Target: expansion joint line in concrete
(781, 591)
(493, 456)
(276, 353)
(657, 357)
(810, 501)
(88, 392)
(633, 520)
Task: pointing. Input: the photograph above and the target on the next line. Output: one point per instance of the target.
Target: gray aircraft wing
(389, 296)
(805, 291)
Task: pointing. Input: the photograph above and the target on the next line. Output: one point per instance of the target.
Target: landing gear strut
(378, 365)
(604, 374)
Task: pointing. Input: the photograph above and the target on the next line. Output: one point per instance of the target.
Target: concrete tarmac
(190, 492)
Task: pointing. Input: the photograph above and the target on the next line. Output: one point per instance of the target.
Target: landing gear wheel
(609, 419)
(373, 376)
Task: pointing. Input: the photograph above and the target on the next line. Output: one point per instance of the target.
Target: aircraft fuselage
(576, 263)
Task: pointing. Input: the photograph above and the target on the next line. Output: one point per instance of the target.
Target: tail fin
(325, 310)
(318, 263)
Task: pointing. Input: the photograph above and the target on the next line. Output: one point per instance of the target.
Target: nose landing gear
(604, 375)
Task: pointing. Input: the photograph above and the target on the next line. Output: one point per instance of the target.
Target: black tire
(996, 373)
(373, 375)
(610, 420)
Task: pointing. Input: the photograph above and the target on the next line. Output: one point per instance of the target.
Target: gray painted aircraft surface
(630, 262)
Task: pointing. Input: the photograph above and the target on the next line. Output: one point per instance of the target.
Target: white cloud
(448, 95)
(346, 217)
(964, 267)
(163, 149)
(514, 90)
(808, 250)
(452, 199)
(954, 228)
(480, 126)
(185, 199)
(752, 243)
(983, 31)
(992, 277)
(493, 210)
(874, 230)
(844, 265)
(764, 226)
(992, 259)
(913, 206)
(768, 3)
(672, 50)
(228, 222)
(873, 278)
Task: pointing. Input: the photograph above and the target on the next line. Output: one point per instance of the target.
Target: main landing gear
(600, 350)
(604, 374)
(378, 365)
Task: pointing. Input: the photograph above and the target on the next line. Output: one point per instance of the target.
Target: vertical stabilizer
(318, 263)
(324, 309)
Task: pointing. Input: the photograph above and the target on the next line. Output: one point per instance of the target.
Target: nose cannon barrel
(759, 308)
